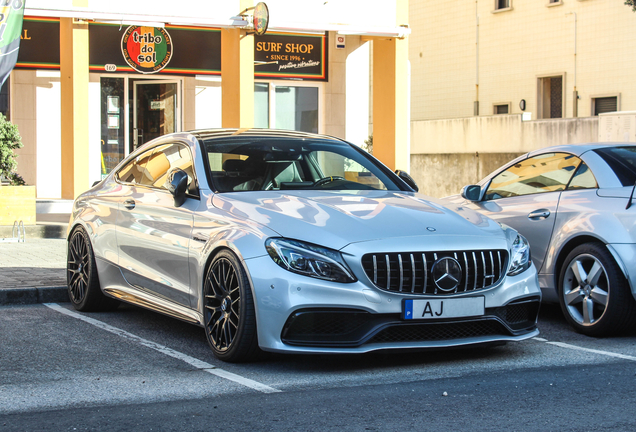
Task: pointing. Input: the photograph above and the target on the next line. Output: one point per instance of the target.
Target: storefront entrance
(156, 110)
(133, 112)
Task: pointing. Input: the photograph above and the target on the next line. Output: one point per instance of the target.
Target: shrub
(9, 140)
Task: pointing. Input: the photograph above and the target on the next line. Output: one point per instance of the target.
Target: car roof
(578, 149)
(206, 134)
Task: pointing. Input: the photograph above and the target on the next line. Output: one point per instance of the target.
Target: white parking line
(578, 348)
(199, 364)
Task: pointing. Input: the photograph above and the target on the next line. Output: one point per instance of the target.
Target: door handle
(539, 214)
(129, 204)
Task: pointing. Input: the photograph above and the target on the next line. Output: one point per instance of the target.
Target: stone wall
(449, 154)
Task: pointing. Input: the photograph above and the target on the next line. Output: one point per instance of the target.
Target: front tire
(594, 294)
(81, 275)
(229, 317)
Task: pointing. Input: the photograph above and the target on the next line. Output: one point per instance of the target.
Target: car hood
(336, 219)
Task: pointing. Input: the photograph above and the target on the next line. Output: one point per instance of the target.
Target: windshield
(240, 163)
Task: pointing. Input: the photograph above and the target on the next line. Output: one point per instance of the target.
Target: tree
(9, 140)
(631, 3)
(368, 144)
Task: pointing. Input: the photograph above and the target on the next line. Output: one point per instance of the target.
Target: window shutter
(605, 104)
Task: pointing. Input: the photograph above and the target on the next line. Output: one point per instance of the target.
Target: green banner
(11, 17)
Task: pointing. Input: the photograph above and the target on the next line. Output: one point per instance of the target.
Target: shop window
(550, 97)
(604, 104)
(286, 107)
(297, 108)
(501, 108)
(261, 105)
(112, 129)
(4, 98)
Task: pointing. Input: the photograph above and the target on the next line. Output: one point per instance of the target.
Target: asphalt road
(135, 370)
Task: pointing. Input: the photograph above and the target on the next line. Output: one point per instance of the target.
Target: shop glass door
(156, 110)
(113, 140)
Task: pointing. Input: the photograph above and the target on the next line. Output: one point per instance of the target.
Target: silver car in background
(574, 204)
(291, 242)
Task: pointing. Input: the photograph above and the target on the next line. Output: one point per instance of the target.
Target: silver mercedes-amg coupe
(292, 242)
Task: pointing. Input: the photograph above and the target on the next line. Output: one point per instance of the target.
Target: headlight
(519, 256)
(309, 260)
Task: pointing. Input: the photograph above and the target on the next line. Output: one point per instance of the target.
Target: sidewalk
(35, 271)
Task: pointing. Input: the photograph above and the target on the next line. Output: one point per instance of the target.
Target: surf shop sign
(146, 49)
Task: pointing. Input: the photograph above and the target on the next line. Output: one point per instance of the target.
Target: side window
(152, 167)
(133, 171)
(548, 172)
(165, 159)
(583, 179)
(157, 167)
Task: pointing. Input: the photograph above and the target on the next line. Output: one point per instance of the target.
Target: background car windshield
(622, 160)
(267, 163)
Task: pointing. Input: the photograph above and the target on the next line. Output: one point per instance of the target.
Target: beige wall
(35, 109)
(449, 154)
(335, 88)
(516, 47)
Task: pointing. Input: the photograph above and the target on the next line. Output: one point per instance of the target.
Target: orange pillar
(391, 98)
(74, 95)
(237, 76)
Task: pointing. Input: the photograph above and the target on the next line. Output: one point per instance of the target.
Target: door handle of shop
(129, 204)
(539, 214)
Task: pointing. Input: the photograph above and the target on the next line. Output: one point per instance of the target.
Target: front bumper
(305, 315)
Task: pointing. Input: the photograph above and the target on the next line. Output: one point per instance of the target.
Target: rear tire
(594, 295)
(229, 317)
(81, 275)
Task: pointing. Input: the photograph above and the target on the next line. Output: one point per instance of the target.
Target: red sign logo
(146, 49)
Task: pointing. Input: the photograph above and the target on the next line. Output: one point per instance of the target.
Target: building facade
(492, 79)
(94, 80)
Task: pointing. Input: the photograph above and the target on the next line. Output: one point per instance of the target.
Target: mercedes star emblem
(447, 273)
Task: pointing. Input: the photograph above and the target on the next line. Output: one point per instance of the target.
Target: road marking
(199, 364)
(594, 351)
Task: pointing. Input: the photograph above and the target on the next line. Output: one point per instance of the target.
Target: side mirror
(471, 192)
(407, 179)
(177, 183)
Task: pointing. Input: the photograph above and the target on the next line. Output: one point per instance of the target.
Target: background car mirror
(177, 184)
(471, 192)
(407, 179)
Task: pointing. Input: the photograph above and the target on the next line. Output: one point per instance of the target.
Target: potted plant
(17, 201)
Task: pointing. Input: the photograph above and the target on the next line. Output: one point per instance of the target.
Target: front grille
(411, 272)
(439, 331)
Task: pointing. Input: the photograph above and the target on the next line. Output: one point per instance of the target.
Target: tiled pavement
(33, 271)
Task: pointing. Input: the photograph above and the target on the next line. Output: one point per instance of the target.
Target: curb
(49, 231)
(23, 296)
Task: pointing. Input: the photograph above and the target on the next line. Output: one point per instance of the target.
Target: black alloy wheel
(594, 294)
(81, 275)
(230, 320)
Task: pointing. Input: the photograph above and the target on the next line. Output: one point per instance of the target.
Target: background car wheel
(230, 320)
(594, 294)
(81, 275)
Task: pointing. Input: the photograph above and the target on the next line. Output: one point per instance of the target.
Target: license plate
(443, 308)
